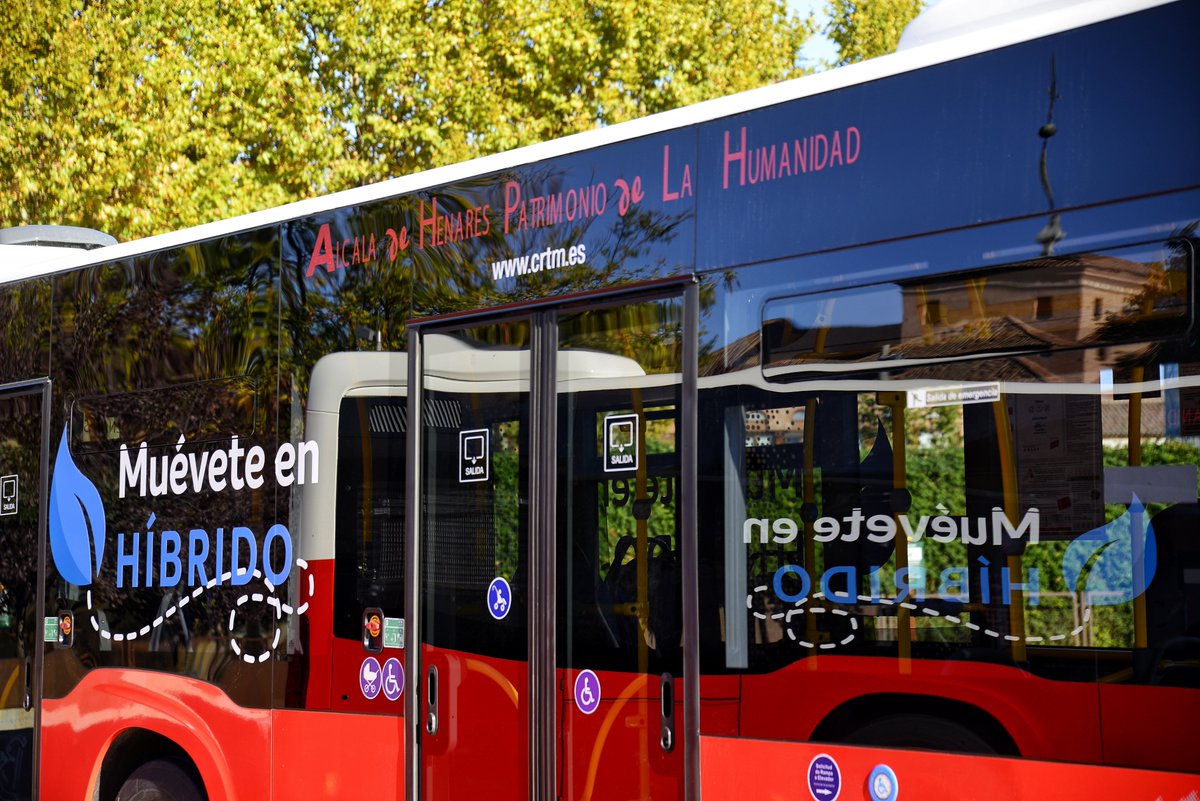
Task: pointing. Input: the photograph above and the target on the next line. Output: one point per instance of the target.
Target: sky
(818, 48)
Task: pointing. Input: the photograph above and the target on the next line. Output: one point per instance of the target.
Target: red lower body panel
(739, 769)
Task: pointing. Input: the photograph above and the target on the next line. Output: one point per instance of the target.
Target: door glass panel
(20, 631)
(619, 571)
(473, 574)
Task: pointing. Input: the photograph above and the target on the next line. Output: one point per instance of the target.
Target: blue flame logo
(1114, 563)
(76, 520)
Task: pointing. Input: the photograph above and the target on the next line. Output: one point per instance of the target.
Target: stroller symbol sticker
(368, 677)
(587, 692)
(499, 598)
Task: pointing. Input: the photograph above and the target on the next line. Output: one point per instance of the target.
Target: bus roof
(939, 36)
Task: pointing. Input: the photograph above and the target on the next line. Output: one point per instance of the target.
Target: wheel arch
(134, 747)
(844, 719)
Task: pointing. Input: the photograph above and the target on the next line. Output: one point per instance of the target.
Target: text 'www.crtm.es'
(548, 259)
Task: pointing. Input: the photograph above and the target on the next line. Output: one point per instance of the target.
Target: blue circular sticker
(393, 679)
(824, 778)
(369, 678)
(499, 599)
(587, 692)
(882, 785)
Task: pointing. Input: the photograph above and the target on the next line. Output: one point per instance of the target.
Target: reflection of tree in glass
(20, 433)
(1157, 309)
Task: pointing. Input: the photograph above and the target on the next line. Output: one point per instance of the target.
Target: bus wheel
(920, 731)
(160, 780)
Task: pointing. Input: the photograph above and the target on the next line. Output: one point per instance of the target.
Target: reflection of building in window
(1038, 306)
(1044, 307)
(1062, 288)
(774, 426)
(935, 313)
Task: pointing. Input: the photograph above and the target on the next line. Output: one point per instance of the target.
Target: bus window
(370, 511)
(970, 554)
(619, 486)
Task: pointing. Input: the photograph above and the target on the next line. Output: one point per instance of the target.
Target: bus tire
(160, 780)
(920, 731)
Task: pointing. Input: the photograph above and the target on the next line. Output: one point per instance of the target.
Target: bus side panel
(773, 709)
(744, 770)
(318, 619)
(335, 756)
(229, 744)
(1128, 709)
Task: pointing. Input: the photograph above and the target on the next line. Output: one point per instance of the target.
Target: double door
(547, 601)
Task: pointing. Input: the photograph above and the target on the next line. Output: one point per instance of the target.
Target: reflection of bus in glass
(855, 453)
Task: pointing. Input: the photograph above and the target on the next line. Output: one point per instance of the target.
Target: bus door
(552, 524)
(620, 536)
(23, 459)
(473, 564)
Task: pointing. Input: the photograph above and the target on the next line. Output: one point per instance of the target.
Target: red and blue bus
(834, 440)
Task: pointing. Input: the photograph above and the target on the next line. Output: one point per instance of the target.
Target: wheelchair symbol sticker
(499, 599)
(587, 692)
(368, 678)
(882, 785)
(393, 679)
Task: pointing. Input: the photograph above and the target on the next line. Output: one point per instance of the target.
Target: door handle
(666, 720)
(27, 701)
(431, 700)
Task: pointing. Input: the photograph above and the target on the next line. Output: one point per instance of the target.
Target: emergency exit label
(8, 495)
(393, 632)
(620, 442)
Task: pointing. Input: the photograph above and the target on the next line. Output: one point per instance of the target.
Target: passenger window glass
(370, 511)
(881, 530)
(1110, 297)
(618, 482)
(475, 493)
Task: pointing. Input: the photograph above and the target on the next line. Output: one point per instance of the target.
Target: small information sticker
(393, 632)
(393, 679)
(499, 598)
(620, 442)
(369, 678)
(474, 454)
(8, 495)
(587, 692)
(824, 778)
(882, 784)
(50, 629)
(953, 396)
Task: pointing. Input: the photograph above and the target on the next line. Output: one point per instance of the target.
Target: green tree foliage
(138, 118)
(865, 29)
